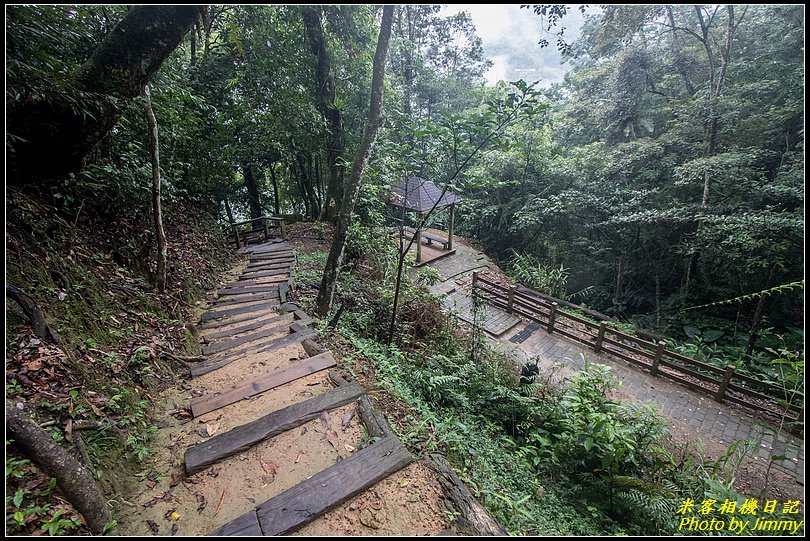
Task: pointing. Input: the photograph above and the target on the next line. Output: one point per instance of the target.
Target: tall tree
(374, 124)
(327, 103)
(51, 134)
(157, 213)
(252, 185)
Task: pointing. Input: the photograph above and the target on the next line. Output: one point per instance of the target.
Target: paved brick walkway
(684, 409)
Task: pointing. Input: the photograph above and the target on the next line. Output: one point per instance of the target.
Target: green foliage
(57, 525)
(527, 270)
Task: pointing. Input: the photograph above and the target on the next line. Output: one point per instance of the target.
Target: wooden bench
(430, 238)
(435, 238)
(259, 227)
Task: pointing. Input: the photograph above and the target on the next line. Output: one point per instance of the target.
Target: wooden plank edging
(246, 389)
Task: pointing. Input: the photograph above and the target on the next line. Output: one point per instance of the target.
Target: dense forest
(661, 184)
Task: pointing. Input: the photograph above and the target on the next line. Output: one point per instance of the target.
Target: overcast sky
(510, 35)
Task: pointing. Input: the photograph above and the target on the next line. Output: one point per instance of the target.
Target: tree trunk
(275, 188)
(375, 122)
(305, 166)
(752, 333)
(228, 211)
(619, 286)
(35, 316)
(677, 55)
(253, 192)
(326, 98)
(163, 254)
(72, 477)
(53, 135)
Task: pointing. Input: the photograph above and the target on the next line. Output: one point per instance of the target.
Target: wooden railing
(261, 225)
(722, 384)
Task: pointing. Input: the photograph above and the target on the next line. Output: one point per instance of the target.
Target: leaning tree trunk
(163, 254)
(75, 480)
(53, 134)
(326, 293)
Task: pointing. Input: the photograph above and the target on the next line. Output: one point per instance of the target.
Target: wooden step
(311, 498)
(242, 290)
(281, 254)
(272, 279)
(232, 320)
(252, 326)
(218, 314)
(243, 437)
(210, 365)
(228, 302)
(272, 247)
(246, 389)
(244, 525)
(225, 345)
(288, 260)
(266, 274)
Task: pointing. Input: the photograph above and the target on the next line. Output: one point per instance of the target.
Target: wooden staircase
(252, 331)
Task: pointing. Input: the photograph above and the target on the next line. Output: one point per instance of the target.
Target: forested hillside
(661, 184)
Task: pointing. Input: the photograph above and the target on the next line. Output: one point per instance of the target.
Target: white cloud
(510, 36)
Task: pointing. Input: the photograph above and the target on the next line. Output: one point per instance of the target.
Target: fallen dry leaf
(332, 437)
(269, 466)
(176, 478)
(348, 447)
(347, 419)
(34, 365)
(153, 526)
(211, 428)
(202, 502)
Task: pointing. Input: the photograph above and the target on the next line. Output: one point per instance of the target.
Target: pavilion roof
(421, 195)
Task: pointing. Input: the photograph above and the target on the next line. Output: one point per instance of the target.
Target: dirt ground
(406, 503)
(168, 502)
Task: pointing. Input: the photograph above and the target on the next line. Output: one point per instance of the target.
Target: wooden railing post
(551, 318)
(281, 226)
(721, 391)
(266, 229)
(511, 302)
(597, 347)
(659, 351)
(475, 281)
(236, 234)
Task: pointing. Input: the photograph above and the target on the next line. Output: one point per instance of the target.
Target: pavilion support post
(418, 238)
(451, 226)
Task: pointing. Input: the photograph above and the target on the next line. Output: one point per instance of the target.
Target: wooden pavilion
(416, 194)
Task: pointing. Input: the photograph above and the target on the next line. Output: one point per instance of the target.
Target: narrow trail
(690, 415)
(264, 439)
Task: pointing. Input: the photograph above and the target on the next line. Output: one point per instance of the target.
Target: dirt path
(171, 502)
